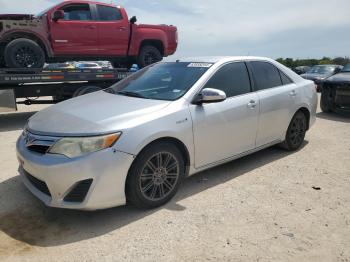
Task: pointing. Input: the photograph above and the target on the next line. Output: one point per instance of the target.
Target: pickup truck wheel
(24, 53)
(326, 100)
(148, 55)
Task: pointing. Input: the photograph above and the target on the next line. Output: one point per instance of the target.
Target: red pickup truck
(82, 30)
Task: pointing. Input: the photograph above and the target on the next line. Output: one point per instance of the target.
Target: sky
(272, 28)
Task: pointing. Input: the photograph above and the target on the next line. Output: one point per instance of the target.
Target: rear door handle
(252, 104)
(293, 93)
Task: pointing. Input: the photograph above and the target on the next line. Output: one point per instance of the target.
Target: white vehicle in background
(137, 140)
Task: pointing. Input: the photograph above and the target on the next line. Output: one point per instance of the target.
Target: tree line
(292, 63)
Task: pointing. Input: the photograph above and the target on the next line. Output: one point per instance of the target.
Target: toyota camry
(137, 140)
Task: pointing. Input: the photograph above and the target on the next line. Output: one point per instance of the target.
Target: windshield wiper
(131, 94)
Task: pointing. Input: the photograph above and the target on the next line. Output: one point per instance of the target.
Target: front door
(225, 129)
(77, 33)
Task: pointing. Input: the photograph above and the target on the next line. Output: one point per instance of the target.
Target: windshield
(346, 68)
(45, 11)
(163, 81)
(321, 70)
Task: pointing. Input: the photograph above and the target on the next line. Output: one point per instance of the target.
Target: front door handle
(122, 28)
(252, 104)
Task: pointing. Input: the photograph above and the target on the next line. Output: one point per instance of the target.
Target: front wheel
(155, 176)
(296, 132)
(24, 53)
(148, 55)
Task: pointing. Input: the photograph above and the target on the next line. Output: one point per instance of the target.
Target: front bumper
(105, 171)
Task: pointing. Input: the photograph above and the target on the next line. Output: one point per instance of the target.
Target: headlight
(77, 146)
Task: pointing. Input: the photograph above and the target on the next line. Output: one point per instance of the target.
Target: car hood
(340, 77)
(16, 16)
(92, 114)
(314, 76)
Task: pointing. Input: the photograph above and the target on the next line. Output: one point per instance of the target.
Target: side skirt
(226, 160)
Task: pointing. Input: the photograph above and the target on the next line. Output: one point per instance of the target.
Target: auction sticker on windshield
(206, 65)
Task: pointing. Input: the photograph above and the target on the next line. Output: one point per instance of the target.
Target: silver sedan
(137, 140)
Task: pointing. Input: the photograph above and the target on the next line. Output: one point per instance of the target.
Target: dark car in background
(301, 69)
(335, 95)
(319, 73)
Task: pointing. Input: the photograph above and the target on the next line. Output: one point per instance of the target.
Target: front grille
(79, 191)
(41, 149)
(38, 144)
(37, 183)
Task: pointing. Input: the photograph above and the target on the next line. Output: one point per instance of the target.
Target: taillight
(176, 37)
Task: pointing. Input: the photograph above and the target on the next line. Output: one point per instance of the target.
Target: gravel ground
(270, 206)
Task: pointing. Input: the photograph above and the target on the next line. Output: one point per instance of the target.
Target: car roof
(221, 59)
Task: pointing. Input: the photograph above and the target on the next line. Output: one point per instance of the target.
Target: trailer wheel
(86, 90)
(24, 53)
(148, 55)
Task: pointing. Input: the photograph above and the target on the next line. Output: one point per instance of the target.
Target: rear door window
(108, 13)
(232, 78)
(266, 75)
(77, 12)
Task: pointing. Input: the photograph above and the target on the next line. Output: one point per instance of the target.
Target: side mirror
(57, 15)
(133, 20)
(210, 95)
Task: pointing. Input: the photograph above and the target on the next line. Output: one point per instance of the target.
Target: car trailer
(31, 84)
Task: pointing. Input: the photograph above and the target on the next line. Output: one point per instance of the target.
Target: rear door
(277, 95)
(222, 130)
(77, 33)
(113, 31)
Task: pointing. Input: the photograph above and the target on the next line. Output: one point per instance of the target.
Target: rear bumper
(54, 179)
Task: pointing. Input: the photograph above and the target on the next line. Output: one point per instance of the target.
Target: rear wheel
(24, 53)
(296, 132)
(148, 55)
(155, 176)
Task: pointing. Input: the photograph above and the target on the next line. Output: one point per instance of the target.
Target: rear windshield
(162, 81)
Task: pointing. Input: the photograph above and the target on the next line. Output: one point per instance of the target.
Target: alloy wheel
(159, 176)
(297, 130)
(26, 57)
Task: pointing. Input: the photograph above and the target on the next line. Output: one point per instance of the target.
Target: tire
(24, 53)
(296, 132)
(326, 101)
(148, 55)
(150, 185)
(86, 90)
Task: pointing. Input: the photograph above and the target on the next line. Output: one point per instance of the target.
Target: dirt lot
(270, 206)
